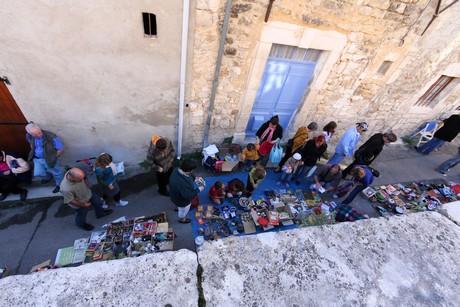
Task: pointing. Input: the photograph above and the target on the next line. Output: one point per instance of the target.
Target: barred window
(384, 67)
(150, 24)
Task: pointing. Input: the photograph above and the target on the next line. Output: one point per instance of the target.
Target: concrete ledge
(151, 280)
(452, 211)
(409, 260)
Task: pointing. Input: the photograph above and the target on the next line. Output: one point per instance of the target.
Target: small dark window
(150, 24)
(384, 67)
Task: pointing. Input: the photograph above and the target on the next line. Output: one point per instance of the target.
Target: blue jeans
(444, 167)
(336, 158)
(41, 169)
(80, 213)
(430, 146)
(353, 194)
(248, 163)
(286, 177)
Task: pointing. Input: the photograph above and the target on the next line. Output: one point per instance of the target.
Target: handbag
(265, 148)
(374, 172)
(276, 154)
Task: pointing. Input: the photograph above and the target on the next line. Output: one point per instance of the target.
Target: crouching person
(79, 197)
(325, 177)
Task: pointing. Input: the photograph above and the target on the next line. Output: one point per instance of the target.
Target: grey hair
(32, 127)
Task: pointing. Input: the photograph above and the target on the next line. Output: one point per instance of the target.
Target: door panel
(281, 89)
(12, 124)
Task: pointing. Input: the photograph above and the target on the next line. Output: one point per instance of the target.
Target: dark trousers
(9, 185)
(163, 180)
(286, 156)
(353, 194)
(80, 213)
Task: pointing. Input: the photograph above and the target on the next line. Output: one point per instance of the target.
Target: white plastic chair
(426, 133)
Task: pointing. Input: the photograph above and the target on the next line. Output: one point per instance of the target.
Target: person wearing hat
(294, 144)
(268, 133)
(362, 177)
(289, 168)
(348, 142)
(161, 156)
(326, 177)
(370, 150)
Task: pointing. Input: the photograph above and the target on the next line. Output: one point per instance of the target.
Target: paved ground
(33, 231)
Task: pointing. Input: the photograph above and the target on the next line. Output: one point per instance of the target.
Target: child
(106, 174)
(289, 168)
(216, 192)
(255, 176)
(234, 188)
(250, 155)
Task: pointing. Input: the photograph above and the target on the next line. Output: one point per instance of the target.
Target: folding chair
(426, 133)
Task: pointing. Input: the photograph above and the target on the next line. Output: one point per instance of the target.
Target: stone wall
(353, 91)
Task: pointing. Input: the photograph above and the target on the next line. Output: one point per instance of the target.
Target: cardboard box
(36, 268)
(286, 209)
(226, 166)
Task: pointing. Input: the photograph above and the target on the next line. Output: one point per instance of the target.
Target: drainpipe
(216, 73)
(183, 68)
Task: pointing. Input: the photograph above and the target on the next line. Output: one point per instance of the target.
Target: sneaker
(45, 181)
(87, 227)
(335, 196)
(56, 189)
(104, 205)
(23, 195)
(121, 203)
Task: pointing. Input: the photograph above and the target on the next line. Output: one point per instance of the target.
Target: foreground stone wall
(353, 91)
(410, 260)
(151, 280)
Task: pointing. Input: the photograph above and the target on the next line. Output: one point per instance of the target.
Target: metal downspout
(216, 73)
(183, 68)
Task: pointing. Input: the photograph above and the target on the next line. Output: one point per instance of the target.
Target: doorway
(286, 76)
(12, 124)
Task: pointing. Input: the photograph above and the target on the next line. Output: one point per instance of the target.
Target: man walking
(160, 156)
(370, 150)
(45, 150)
(79, 197)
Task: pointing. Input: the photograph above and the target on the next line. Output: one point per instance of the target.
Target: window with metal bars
(384, 67)
(150, 24)
(294, 53)
(436, 92)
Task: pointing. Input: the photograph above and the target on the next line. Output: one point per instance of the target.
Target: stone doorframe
(293, 35)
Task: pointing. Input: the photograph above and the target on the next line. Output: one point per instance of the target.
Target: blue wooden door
(280, 91)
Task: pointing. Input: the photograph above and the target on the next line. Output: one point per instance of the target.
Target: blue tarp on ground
(269, 183)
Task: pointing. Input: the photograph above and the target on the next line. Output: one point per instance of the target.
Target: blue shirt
(368, 178)
(348, 142)
(39, 150)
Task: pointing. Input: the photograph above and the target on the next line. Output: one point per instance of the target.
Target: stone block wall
(376, 31)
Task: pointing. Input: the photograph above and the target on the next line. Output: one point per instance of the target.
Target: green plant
(227, 141)
(410, 142)
(145, 165)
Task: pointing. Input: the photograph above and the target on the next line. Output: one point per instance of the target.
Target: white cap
(297, 156)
